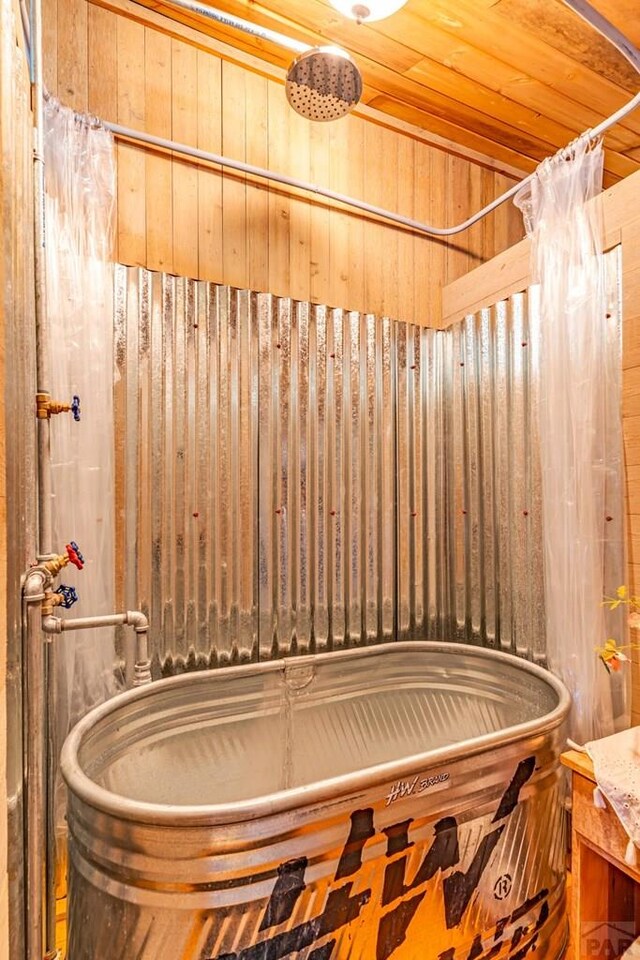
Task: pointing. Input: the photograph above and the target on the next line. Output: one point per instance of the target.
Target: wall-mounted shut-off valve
(64, 597)
(58, 562)
(47, 408)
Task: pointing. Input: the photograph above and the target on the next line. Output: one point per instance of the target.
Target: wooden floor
(61, 926)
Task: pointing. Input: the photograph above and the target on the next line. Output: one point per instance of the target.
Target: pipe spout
(132, 618)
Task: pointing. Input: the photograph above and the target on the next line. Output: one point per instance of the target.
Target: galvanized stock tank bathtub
(400, 801)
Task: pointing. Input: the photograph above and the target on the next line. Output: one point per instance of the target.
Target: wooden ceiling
(511, 79)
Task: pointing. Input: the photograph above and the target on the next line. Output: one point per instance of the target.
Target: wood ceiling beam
(510, 45)
(492, 117)
(435, 133)
(463, 60)
(559, 27)
(420, 34)
(623, 14)
(468, 106)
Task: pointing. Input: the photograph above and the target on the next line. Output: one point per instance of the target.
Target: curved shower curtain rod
(581, 7)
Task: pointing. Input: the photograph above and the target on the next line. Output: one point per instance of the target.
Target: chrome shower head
(323, 84)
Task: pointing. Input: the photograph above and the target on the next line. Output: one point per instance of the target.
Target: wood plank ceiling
(511, 79)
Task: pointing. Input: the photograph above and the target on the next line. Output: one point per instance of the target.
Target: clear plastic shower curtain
(579, 382)
(80, 190)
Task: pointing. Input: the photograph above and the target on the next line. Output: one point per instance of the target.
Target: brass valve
(63, 597)
(50, 601)
(47, 408)
(73, 555)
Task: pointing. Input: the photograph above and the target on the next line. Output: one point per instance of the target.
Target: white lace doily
(616, 764)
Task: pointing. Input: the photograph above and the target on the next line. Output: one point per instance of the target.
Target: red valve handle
(75, 557)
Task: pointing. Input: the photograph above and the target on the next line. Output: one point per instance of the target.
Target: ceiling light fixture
(368, 10)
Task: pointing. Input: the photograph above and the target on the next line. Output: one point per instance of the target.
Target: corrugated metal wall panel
(326, 466)
(494, 508)
(298, 478)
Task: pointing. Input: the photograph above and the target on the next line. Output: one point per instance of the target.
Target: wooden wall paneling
(131, 160)
(503, 214)
(632, 444)
(374, 233)
(354, 186)
(423, 246)
(407, 239)
(630, 237)
(339, 159)
(389, 238)
(257, 153)
(72, 70)
(322, 217)
(234, 185)
(480, 236)
(487, 238)
(442, 128)
(280, 281)
(631, 344)
(297, 163)
(210, 179)
(102, 61)
(50, 45)
(184, 104)
(515, 224)
(9, 245)
(631, 392)
(159, 198)
(457, 187)
(439, 247)
(18, 520)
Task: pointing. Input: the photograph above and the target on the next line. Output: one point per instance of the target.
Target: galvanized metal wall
(493, 499)
(299, 478)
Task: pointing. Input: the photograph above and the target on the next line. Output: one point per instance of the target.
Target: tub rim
(178, 815)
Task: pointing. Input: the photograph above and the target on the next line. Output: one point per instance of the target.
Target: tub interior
(224, 737)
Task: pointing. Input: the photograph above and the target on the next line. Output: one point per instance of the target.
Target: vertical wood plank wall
(16, 311)
(510, 272)
(630, 238)
(7, 239)
(195, 221)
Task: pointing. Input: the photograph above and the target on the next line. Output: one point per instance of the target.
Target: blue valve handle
(69, 594)
(75, 407)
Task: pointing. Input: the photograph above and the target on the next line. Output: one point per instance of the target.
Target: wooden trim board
(509, 272)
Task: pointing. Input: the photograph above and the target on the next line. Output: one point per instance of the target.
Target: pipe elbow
(35, 584)
(51, 624)
(142, 667)
(138, 621)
